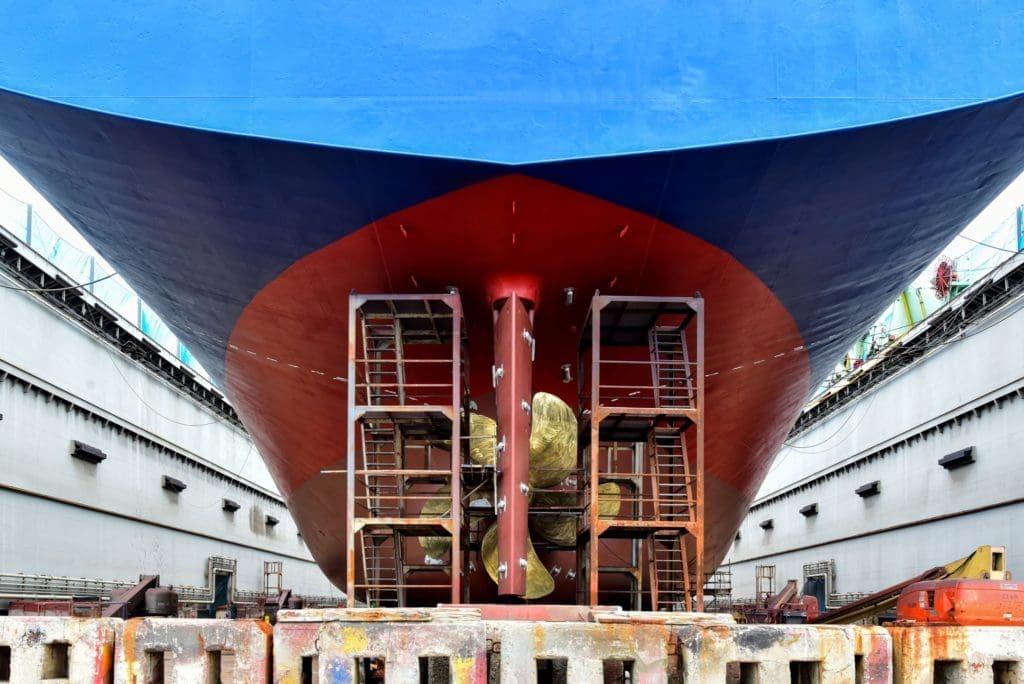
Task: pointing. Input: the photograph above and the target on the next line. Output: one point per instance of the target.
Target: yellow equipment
(987, 562)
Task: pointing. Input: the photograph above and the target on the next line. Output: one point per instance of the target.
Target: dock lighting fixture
(809, 510)
(869, 489)
(87, 453)
(767, 524)
(172, 484)
(230, 506)
(958, 459)
(271, 521)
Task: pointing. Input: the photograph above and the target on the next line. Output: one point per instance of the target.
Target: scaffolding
(641, 390)
(407, 405)
(718, 588)
(273, 578)
(764, 583)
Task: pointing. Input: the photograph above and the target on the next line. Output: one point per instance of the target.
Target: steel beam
(513, 382)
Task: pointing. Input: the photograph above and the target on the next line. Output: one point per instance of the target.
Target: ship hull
(247, 232)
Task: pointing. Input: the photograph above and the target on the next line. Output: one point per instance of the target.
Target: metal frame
(513, 384)
(631, 411)
(381, 405)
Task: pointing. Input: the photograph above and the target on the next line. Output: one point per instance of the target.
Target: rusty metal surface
(513, 361)
(401, 406)
(351, 462)
(647, 389)
(128, 602)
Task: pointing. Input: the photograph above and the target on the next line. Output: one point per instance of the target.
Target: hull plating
(248, 241)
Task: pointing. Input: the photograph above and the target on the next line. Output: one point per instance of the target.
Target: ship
(256, 171)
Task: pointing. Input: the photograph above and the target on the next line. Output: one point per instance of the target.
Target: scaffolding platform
(407, 405)
(641, 395)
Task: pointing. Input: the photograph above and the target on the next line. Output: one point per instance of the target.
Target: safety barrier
(348, 645)
(957, 654)
(180, 651)
(60, 648)
(783, 653)
(458, 645)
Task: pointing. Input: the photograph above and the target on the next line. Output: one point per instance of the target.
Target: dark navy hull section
(834, 223)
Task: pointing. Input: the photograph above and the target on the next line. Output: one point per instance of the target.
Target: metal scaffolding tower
(406, 414)
(641, 382)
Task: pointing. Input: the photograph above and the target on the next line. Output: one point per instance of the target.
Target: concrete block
(636, 617)
(334, 645)
(180, 651)
(771, 653)
(872, 649)
(58, 648)
(964, 655)
(584, 651)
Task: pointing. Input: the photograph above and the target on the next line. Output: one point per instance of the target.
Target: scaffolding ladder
(648, 393)
(406, 408)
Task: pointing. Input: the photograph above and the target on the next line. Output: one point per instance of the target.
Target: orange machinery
(974, 590)
(967, 602)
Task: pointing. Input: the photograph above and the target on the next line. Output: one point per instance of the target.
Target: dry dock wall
(967, 394)
(114, 520)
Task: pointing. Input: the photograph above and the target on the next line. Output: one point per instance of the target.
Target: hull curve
(597, 174)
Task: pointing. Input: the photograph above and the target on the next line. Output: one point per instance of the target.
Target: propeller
(561, 529)
(553, 458)
(539, 582)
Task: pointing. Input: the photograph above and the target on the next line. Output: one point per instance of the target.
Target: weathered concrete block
(584, 650)
(965, 655)
(772, 653)
(636, 617)
(872, 649)
(180, 651)
(61, 648)
(333, 645)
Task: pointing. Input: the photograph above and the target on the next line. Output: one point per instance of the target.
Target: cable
(57, 289)
(982, 326)
(1011, 308)
(252, 446)
(802, 447)
(237, 473)
(144, 403)
(890, 348)
(985, 244)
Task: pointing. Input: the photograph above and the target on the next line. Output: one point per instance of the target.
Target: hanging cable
(57, 289)
(985, 244)
(113, 362)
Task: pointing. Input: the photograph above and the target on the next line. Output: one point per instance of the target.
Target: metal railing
(25, 224)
